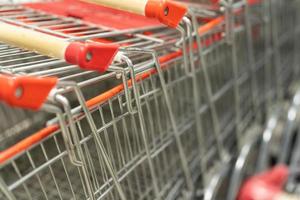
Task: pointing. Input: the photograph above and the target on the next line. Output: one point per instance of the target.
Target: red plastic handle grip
(25, 91)
(167, 12)
(267, 185)
(91, 55)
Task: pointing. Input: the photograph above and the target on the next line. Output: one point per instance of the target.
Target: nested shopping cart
(104, 148)
(252, 171)
(250, 30)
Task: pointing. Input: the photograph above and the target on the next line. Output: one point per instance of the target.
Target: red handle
(91, 55)
(167, 12)
(267, 185)
(25, 91)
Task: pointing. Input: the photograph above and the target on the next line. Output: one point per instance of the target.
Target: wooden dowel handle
(32, 40)
(88, 55)
(167, 12)
(133, 6)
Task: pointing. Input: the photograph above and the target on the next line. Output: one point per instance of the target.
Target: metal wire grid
(47, 73)
(131, 147)
(166, 131)
(160, 109)
(276, 80)
(18, 60)
(266, 77)
(67, 27)
(137, 149)
(42, 187)
(14, 122)
(18, 13)
(257, 155)
(287, 46)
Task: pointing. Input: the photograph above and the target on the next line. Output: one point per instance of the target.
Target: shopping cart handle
(167, 12)
(267, 185)
(88, 55)
(27, 92)
(91, 55)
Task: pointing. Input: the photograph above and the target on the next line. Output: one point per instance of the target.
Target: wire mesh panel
(286, 44)
(116, 130)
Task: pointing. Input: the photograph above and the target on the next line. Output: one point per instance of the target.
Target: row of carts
(186, 100)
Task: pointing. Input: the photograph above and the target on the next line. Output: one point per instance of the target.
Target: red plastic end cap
(25, 91)
(265, 186)
(253, 2)
(214, 1)
(167, 12)
(91, 56)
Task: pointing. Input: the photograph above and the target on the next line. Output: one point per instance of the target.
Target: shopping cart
(275, 183)
(128, 154)
(247, 29)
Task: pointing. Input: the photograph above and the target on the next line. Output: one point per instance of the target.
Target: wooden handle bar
(33, 40)
(91, 56)
(167, 12)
